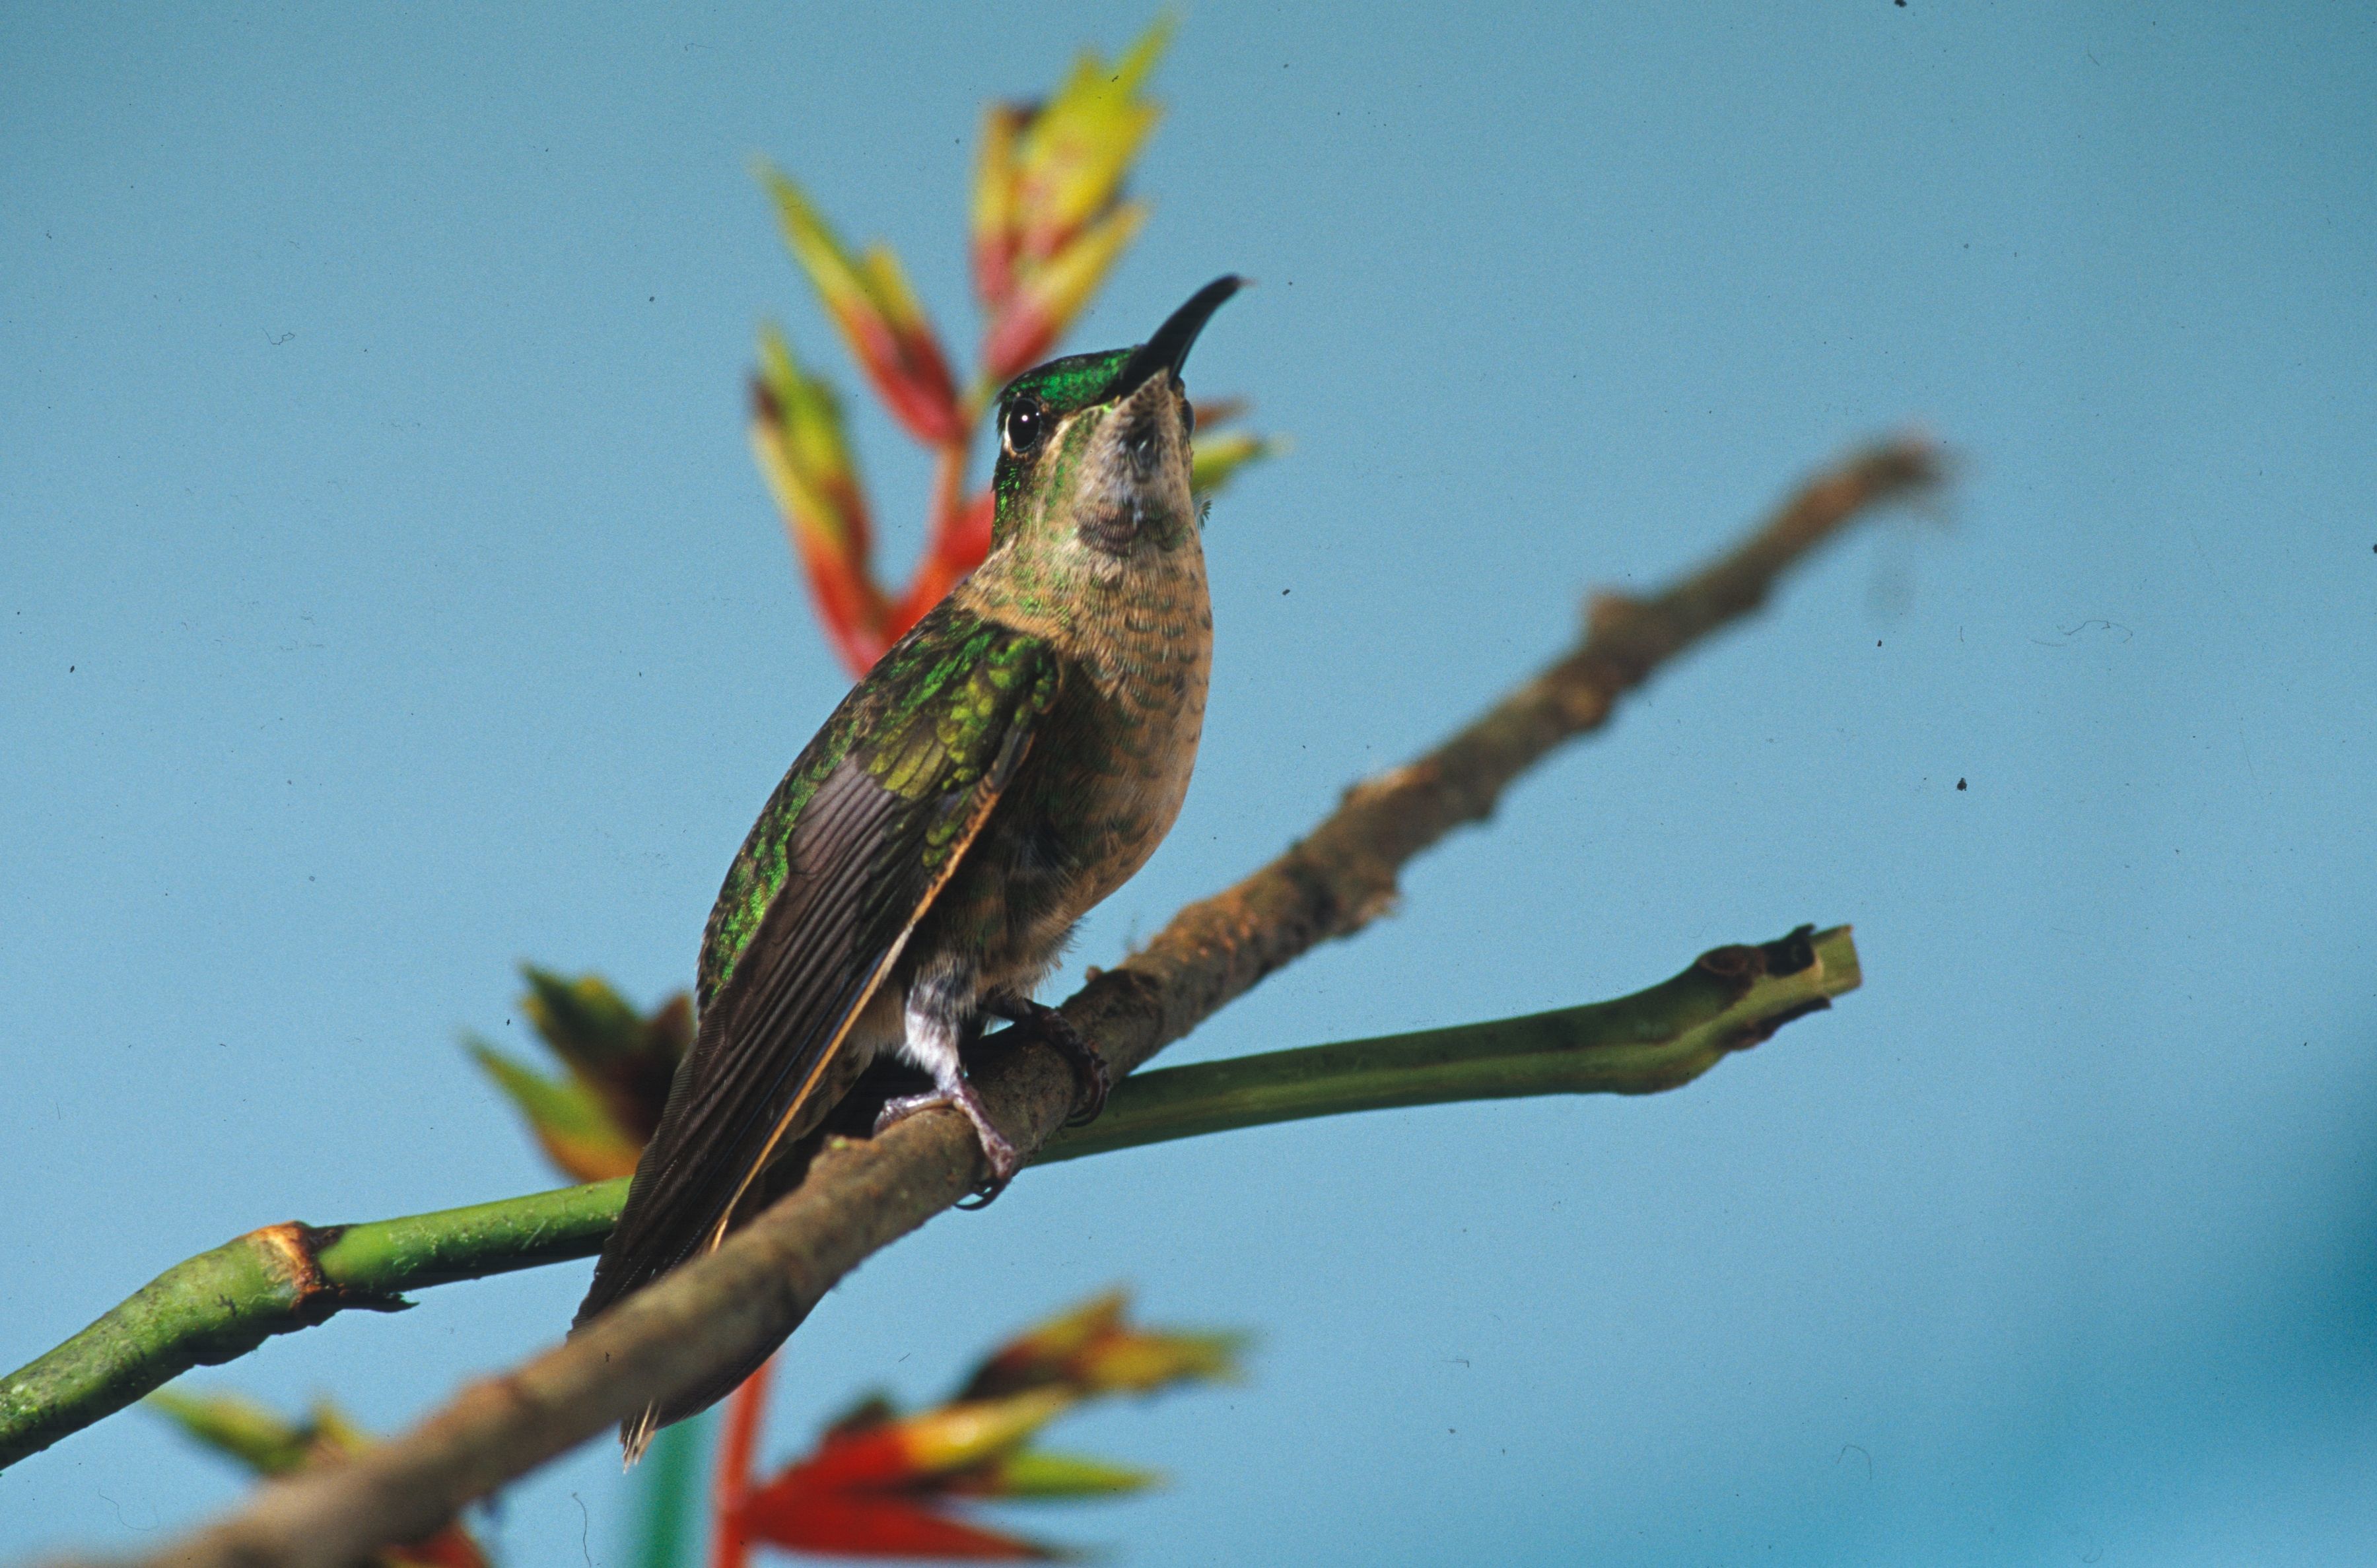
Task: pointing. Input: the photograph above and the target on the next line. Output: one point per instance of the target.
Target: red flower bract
(1048, 221)
(875, 1524)
(882, 1483)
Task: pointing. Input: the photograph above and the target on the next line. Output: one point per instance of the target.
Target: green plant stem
(1661, 1038)
(225, 1302)
(393, 1255)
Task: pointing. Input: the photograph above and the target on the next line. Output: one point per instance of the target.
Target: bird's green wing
(851, 849)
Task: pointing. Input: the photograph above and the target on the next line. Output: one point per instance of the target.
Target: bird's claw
(1089, 1067)
(998, 1152)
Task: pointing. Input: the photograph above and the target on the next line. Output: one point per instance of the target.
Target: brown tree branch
(859, 1196)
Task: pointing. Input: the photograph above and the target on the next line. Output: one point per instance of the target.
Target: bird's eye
(1025, 424)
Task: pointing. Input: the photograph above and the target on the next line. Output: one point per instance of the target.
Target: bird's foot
(1051, 1025)
(996, 1150)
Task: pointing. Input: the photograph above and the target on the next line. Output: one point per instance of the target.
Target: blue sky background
(387, 597)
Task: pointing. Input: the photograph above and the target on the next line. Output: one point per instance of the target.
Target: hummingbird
(1007, 765)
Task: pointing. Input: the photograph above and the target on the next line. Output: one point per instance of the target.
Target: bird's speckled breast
(1106, 773)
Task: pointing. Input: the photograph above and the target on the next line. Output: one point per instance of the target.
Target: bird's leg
(1051, 1025)
(934, 1024)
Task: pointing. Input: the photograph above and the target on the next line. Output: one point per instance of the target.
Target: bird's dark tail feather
(854, 1115)
(636, 1434)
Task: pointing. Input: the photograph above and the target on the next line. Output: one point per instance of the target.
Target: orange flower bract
(1047, 221)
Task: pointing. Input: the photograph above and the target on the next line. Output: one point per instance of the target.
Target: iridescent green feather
(920, 724)
(1074, 382)
(1064, 385)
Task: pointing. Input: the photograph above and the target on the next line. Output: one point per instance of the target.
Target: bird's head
(1093, 448)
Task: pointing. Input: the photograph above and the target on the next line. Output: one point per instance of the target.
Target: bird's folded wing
(898, 785)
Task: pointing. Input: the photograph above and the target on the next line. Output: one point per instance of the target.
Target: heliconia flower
(992, 217)
(796, 433)
(1072, 156)
(452, 1547)
(1209, 414)
(970, 538)
(1032, 1473)
(877, 315)
(1047, 220)
(1039, 1354)
(878, 1525)
(569, 1120)
(907, 1450)
(871, 1484)
(237, 1427)
(1044, 298)
(1216, 460)
(1141, 1362)
(1219, 454)
(867, 1488)
(961, 537)
(937, 417)
(627, 1059)
(1091, 1350)
(592, 1121)
(268, 1444)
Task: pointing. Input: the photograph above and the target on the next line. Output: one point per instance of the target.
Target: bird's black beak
(1168, 350)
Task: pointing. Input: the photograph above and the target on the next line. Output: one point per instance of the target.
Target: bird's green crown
(1048, 394)
(1068, 385)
